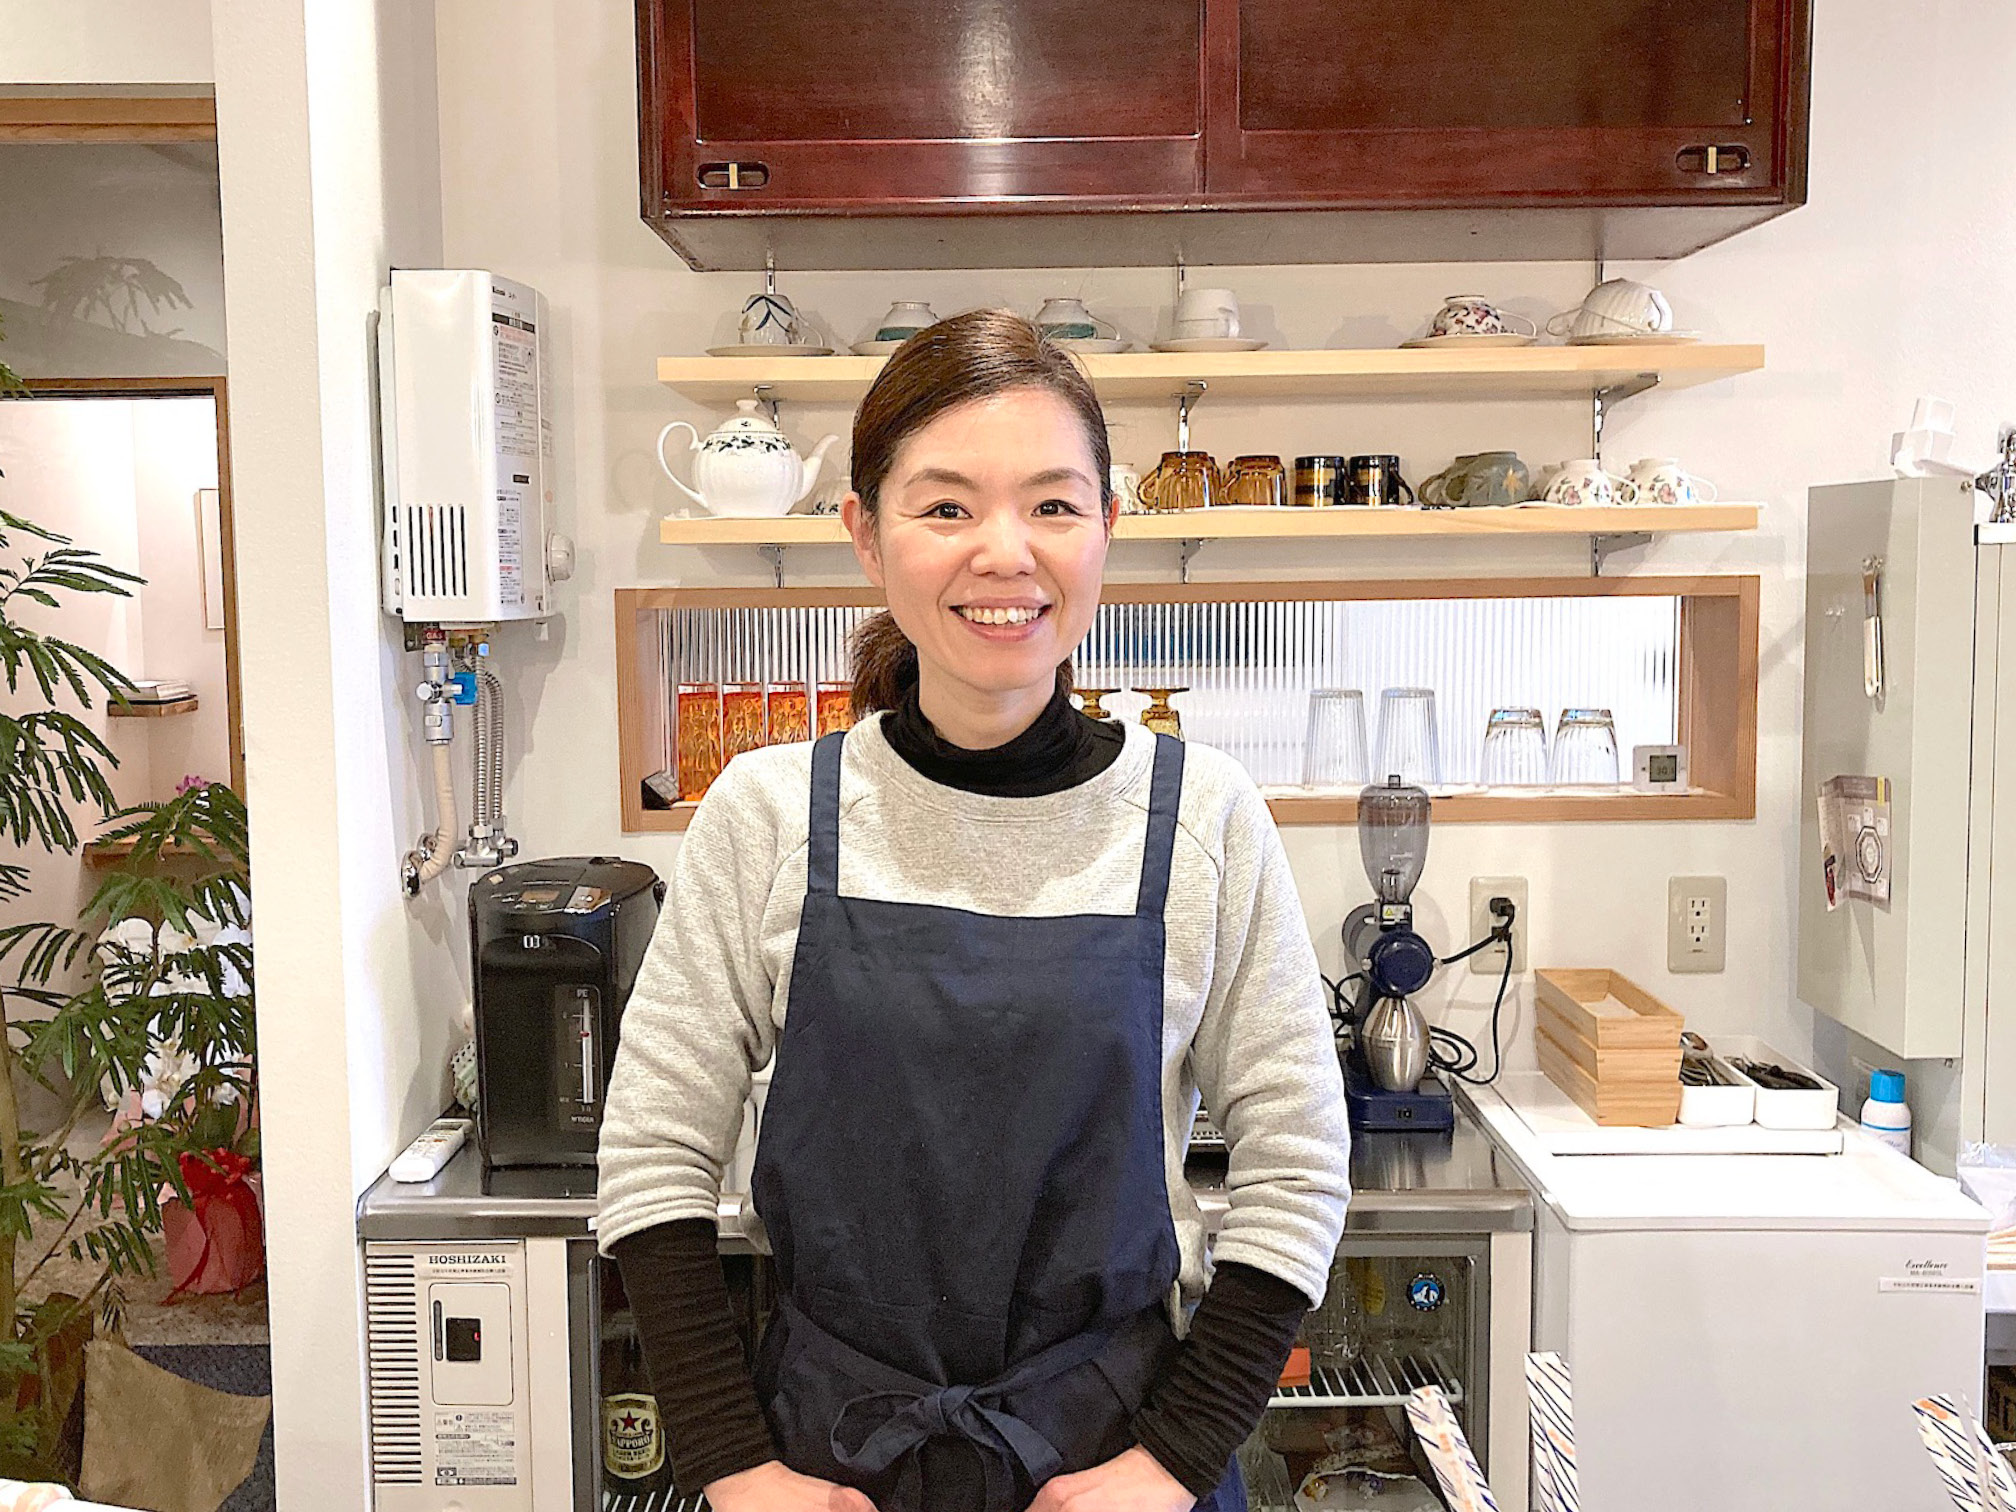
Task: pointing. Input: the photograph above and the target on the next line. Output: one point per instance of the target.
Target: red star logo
(629, 1420)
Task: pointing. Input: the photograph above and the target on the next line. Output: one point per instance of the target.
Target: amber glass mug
(1182, 480)
(1255, 480)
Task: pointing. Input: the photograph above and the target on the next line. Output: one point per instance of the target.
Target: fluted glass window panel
(1249, 667)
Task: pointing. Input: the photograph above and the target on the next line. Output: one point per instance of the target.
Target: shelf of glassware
(1533, 372)
(1277, 523)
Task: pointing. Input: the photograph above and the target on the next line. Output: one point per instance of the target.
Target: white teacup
(1205, 314)
(771, 320)
(1124, 481)
(1615, 307)
(1662, 480)
(1474, 315)
(1065, 319)
(1583, 483)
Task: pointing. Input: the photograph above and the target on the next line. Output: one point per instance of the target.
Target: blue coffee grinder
(1395, 1063)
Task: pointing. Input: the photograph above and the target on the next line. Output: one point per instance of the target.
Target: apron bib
(961, 1172)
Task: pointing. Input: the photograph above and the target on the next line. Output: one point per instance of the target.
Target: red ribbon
(220, 1176)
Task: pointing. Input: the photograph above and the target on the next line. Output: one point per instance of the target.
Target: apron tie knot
(892, 1425)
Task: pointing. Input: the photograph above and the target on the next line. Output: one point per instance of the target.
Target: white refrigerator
(1747, 1333)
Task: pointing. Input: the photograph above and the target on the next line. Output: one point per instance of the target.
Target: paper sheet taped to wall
(1855, 839)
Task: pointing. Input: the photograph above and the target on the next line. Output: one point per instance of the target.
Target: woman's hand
(1129, 1482)
(774, 1487)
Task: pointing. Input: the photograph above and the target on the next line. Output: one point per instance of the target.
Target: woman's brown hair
(958, 360)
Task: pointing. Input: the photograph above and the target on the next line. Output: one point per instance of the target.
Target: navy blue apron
(961, 1172)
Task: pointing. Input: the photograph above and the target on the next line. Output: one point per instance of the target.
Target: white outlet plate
(1491, 962)
(1697, 915)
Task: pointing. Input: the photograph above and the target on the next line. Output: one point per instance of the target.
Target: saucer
(1089, 346)
(1208, 344)
(752, 349)
(1636, 338)
(1473, 339)
(874, 348)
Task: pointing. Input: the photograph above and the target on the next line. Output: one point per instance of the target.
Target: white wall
(174, 455)
(119, 476)
(325, 125)
(105, 41)
(1889, 283)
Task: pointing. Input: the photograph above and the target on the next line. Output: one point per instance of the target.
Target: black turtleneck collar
(1060, 750)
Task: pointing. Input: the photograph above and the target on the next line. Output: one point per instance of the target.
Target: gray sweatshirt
(1244, 1016)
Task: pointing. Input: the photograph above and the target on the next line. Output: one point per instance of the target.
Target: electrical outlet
(1491, 961)
(1697, 911)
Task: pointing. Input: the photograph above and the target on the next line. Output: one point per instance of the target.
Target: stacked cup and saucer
(771, 326)
(1471, 320)
(1207, 320)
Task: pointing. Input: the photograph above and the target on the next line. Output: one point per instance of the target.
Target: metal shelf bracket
(1188, 547)
(1601, 546)
(766, 395)
(774, 555)
(1193, 390)
(1609, 396)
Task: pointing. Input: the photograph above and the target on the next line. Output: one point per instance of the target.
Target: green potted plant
(148, 993)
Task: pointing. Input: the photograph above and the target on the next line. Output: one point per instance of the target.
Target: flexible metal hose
(489, 749)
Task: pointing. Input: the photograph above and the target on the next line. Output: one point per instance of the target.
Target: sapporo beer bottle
(634, 1462)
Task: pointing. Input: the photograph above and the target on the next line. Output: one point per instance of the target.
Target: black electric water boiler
(557, 945)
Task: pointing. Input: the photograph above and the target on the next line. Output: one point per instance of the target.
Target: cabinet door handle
(734, 175)
(1714, 158)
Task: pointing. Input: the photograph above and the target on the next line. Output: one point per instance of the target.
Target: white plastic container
(1885, 1114)
(1777, 1108)
(1719, 1107)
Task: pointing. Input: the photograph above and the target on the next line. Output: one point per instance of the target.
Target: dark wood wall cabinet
(1054, 133)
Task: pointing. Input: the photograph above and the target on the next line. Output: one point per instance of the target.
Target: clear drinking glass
(1407, 742)
(1515, 749)
(1333, 755)
(1585, 749)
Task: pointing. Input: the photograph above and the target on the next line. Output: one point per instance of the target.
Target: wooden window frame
(1717, 686)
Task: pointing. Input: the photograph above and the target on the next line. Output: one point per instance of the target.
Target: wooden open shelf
(1535, 372)
(1264, 523)
(1717, 689)
(152, 710)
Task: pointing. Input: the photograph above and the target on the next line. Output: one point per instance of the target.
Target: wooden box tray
(1609, 1044)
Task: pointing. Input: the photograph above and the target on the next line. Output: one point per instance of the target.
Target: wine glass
(1160, 716)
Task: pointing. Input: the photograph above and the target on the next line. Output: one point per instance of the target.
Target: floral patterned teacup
(1473, 315)
(1662, 480)
(1584, 483)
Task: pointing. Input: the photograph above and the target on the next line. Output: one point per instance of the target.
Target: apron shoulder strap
(1164, 790)
(822, 857)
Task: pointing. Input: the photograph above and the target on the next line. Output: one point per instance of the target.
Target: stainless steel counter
(1401, 1184)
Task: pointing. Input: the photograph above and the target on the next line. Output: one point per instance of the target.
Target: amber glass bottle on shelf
(789, 718)
(698, 738)
(741, 719)
(836, 707)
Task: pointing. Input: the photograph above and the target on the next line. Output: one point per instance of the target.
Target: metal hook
(1193, 390)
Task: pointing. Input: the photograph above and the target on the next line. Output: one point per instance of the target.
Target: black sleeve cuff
(692, 1352)
(1222, 1377)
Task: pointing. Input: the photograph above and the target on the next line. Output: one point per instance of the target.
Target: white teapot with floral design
(746, 467)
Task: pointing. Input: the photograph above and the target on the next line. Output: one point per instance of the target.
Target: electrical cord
(1448, 1051)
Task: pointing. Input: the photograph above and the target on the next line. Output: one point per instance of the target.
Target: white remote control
(422, 1160)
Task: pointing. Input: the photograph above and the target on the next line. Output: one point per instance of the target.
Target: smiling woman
(997, 949)
(981, 511)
